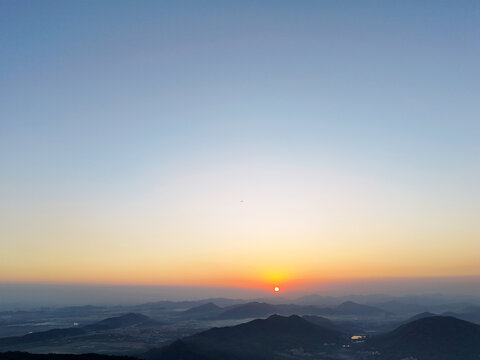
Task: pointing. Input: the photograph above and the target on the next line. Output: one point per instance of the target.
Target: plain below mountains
(126, 320)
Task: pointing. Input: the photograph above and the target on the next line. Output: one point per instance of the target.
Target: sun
(276, 289)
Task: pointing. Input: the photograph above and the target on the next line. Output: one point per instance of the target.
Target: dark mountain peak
(124, 320)
(288, 320)
(288, 327)
(434, 337)
(257, 339)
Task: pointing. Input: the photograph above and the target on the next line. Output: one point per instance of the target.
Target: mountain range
(261, 309)
(425, 336)
(279, 337)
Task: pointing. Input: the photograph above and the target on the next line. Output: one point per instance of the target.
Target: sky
(239, 144)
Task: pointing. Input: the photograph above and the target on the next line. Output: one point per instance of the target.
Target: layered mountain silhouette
(352, 308)
(258, 339)
(207, 310)
(261, 309)
(430, 338)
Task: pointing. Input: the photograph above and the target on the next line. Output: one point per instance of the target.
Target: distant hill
(205, 310)
(352, 308)
(430, 338)
(249, 310)
(260, 309)
(118, 322)
(420, 316)
(271, 338)
(471, 314)
(17, 355)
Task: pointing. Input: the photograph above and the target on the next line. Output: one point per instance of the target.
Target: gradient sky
(239, 143)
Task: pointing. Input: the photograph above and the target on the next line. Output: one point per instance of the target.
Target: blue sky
(105, 105)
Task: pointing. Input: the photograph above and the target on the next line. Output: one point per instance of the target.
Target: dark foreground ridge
(271, 338)
(431, 338)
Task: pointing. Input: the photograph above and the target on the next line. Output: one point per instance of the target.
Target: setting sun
(276, 289)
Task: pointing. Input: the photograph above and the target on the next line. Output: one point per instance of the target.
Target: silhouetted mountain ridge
(431, 338)
(259, 309)
(203, 308)
(118, 322)
(321, 321)
(257, 339)
(353, 308)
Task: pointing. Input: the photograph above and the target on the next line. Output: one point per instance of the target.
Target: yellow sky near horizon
(245, 143)
(224, 228)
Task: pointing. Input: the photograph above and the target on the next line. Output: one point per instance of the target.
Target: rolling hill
(430, 338)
